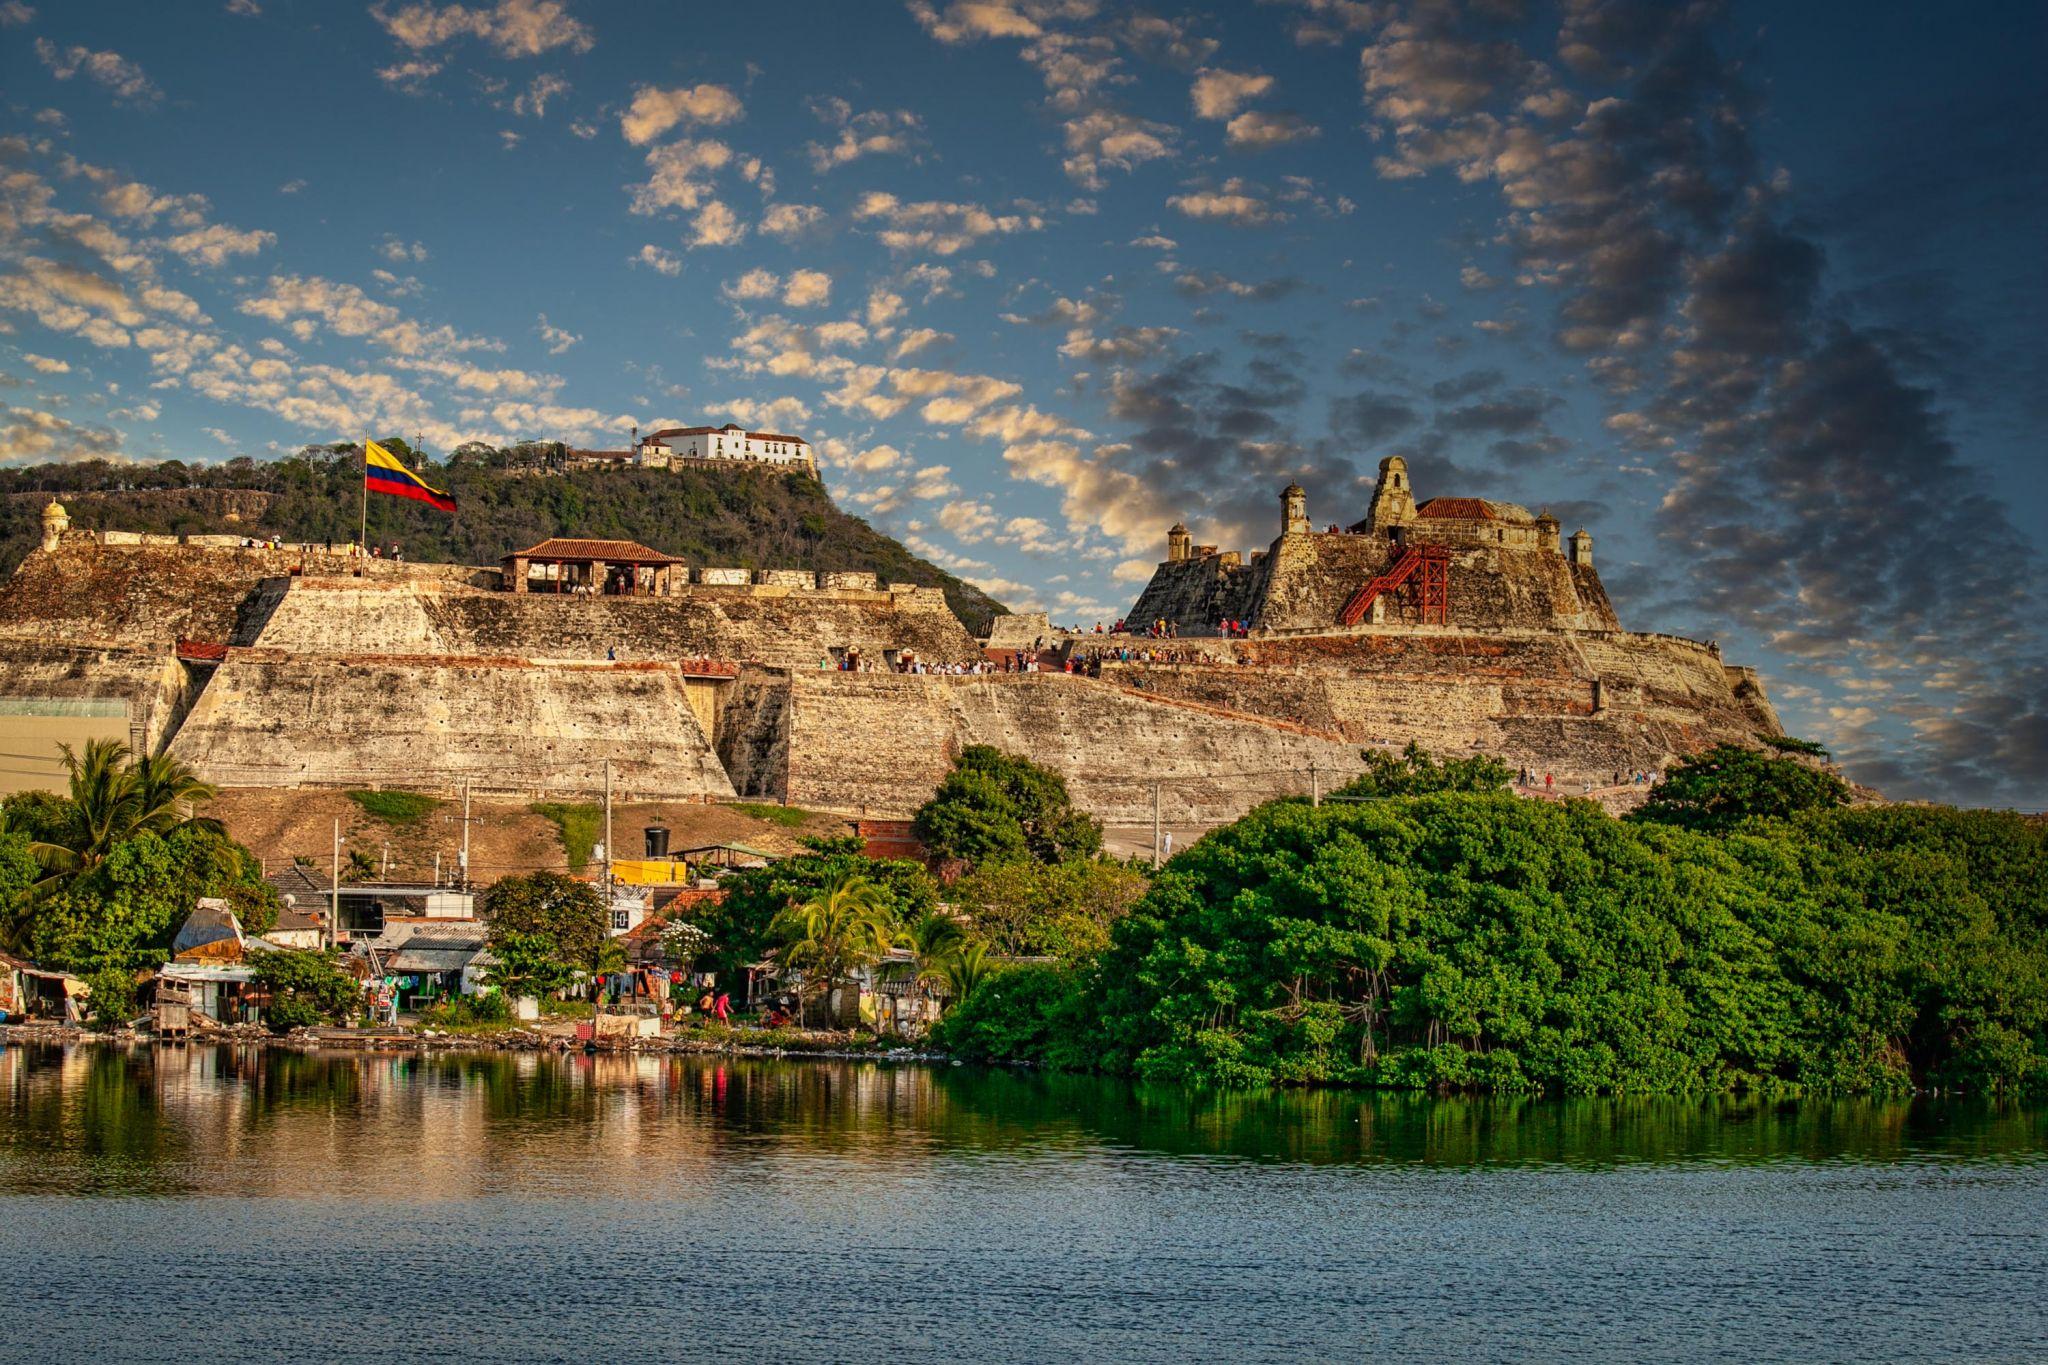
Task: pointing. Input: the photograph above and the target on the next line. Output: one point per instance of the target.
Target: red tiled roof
(600, 454)
(610, 551)
(1472, 509)
(771, 436)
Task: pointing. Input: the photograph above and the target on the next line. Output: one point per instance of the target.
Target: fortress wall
(284, 721)
(1197, 593)
(882, 742)
(149, 686)
(85, 592)
(753, 733)
(344, 615)
(1528, 699)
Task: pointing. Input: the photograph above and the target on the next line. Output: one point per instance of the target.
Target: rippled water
(239, 1205)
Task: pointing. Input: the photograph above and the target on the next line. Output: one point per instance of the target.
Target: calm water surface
(209, 1203)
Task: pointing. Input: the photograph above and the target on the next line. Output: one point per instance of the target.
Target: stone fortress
(1462, 624)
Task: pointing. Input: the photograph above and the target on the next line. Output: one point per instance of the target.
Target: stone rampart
(274, 719)
(879, 743)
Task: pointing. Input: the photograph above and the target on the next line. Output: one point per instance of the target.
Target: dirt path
(505, 837)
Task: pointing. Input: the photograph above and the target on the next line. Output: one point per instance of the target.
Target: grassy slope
(751, 518)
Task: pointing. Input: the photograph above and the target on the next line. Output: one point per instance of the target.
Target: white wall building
(729, 442)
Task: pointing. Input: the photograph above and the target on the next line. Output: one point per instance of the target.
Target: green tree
(845, 926)
(306, 988)
(1025, 908)
(1727, 784)
(19, 872)
(125, 910)
(568, 913)
(112, 799)
(740, 926)
(995, 805)
(1414, 773)
(528, 964)
(961, 968)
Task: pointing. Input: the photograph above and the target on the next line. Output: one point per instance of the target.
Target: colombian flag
(382, 473)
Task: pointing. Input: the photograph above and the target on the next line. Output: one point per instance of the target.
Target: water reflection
(92, 1120)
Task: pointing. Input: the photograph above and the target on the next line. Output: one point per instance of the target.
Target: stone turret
(1582, 548)
(1178, 543)
(1547, 528)
(56, 521)
(1393, 501)
(1294, 511)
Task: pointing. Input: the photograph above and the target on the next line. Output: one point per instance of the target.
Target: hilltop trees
(995, 806)
(1728, 784)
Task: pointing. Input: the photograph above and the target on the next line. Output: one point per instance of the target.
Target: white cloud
(755, 284)
(30, 434)
(777, 414)
(1233, 203)
(716, 225)
(655, 258)
(972, 522)
(680, 176)
(246, 9)
(807, 289)
(395, 249)
(932, 483)
(877, 459)
(15, 12)
(939, 227)
(543, 88)
(788, 222)
(875, 132)
(884, 307)
(964, 21)
(122, 78)
(43, 364)
(654, 110)
(559, 339)
(1111, 139)
(1218, 94)
(918, 340)
(410, 76)
(513, 28)
(1258, 129)
(213, 245)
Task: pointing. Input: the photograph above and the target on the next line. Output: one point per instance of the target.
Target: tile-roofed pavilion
(622, 568)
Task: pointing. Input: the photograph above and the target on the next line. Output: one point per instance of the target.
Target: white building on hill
(729, 442)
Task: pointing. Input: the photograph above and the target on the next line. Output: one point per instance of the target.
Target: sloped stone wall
(275, 720)
(880, 743)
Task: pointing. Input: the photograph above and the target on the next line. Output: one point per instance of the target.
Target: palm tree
(166, 789)
(844, 926)
(113, 799)
(962, 968)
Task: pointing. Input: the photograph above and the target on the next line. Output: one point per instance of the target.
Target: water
(243, 1205)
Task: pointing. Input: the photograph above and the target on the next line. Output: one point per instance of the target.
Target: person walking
(723, 1007)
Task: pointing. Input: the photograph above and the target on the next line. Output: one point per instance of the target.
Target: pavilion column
(520, 568)
(597, 575)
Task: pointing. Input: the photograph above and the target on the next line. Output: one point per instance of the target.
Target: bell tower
(1178, 543)
(1393, 501)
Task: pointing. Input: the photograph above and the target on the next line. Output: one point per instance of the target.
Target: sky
(1752, 292)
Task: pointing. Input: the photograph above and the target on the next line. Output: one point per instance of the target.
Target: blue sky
(1750, 291)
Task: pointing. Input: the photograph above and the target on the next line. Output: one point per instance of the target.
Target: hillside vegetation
(751, 518)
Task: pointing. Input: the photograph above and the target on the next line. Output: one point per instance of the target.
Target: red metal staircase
(1428, 566)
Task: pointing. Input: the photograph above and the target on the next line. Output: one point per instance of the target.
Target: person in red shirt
(723, 1007)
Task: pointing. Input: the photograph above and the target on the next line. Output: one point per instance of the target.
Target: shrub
(401, 809)
(578, 826)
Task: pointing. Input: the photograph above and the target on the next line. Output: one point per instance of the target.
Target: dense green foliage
(1480, 940)
(848, 924)
(399, 809)
(789, 817)
(543, 928)
(753, 518)
(1024, 908)
(305, 989)
(1728, 784)
(1790, 744)
(742, 927)
(126, 909)
(994, 805)
(578, 823)
(1414, 773)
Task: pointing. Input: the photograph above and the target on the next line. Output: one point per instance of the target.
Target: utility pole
(607, 839)
(1315, 785)
(465, 834)
(334, 892)
(1155, 825)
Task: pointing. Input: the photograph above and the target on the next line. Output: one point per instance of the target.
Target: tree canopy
(544, 916)
(1481, 940)
(742, 927)
(1727, 784)
(994, 805)
(1414, 773)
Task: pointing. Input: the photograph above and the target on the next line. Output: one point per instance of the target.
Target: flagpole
(363, 530)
